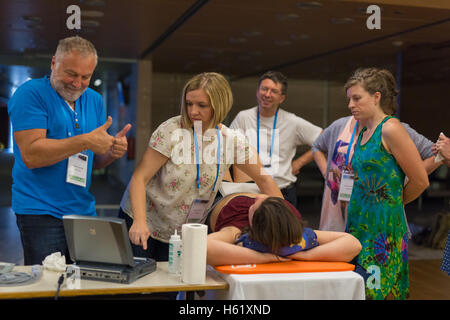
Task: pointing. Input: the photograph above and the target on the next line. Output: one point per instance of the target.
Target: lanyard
(197, 158)
(273, 131)
(350, 145)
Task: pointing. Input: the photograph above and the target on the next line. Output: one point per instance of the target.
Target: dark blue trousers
(41, 235)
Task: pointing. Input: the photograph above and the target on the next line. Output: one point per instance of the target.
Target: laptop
(100, 247)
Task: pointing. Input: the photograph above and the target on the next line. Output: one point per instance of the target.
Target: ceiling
(303, 39)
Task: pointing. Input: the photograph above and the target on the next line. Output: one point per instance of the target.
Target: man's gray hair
(76, 43)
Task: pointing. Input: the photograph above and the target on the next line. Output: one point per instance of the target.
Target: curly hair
(377, 80)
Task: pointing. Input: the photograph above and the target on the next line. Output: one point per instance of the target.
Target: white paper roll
(193, 236)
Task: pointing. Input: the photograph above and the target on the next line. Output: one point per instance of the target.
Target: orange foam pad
(286, 267)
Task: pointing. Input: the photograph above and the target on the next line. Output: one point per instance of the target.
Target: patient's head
(273, 224)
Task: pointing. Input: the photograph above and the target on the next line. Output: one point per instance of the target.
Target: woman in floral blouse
(182, 163)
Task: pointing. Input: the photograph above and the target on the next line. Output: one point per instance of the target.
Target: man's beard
(66, 94)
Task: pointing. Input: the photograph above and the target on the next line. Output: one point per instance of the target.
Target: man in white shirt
(277, 150)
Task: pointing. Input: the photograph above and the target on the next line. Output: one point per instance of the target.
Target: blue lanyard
(350, 145)
(197, 158)
(273, 131)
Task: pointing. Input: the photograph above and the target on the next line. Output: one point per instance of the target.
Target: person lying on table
(255, 228)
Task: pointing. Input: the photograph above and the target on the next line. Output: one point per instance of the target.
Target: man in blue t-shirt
(60, 134)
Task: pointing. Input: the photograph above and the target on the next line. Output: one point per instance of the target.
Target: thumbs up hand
(120, 143)
(99, 141)
(107, 124)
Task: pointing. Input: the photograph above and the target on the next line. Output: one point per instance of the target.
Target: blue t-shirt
(36, 105)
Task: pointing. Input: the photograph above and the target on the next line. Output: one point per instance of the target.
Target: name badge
(197, 211)
(77, 169)
(346, 187)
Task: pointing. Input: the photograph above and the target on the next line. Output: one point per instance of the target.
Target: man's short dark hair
(276, 77)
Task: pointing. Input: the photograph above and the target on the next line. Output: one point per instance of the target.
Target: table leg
(190, 295)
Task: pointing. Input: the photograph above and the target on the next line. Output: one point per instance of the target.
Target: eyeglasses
(275, 92)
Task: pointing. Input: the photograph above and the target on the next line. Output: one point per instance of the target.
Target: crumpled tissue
(55, 262)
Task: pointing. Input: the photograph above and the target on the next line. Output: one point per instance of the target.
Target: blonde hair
(219, 94)
(76, 43)
(377, 80)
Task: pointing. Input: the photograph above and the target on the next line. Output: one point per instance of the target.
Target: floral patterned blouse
(174, 186)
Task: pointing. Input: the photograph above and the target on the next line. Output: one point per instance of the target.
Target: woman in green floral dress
(383, 155)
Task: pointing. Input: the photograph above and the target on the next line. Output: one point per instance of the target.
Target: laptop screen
(98, 240)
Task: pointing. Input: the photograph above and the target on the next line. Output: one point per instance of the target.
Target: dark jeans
(41, 236)
(155, 249)
(290, 194)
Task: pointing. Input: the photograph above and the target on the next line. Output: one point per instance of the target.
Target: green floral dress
(376, 218)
